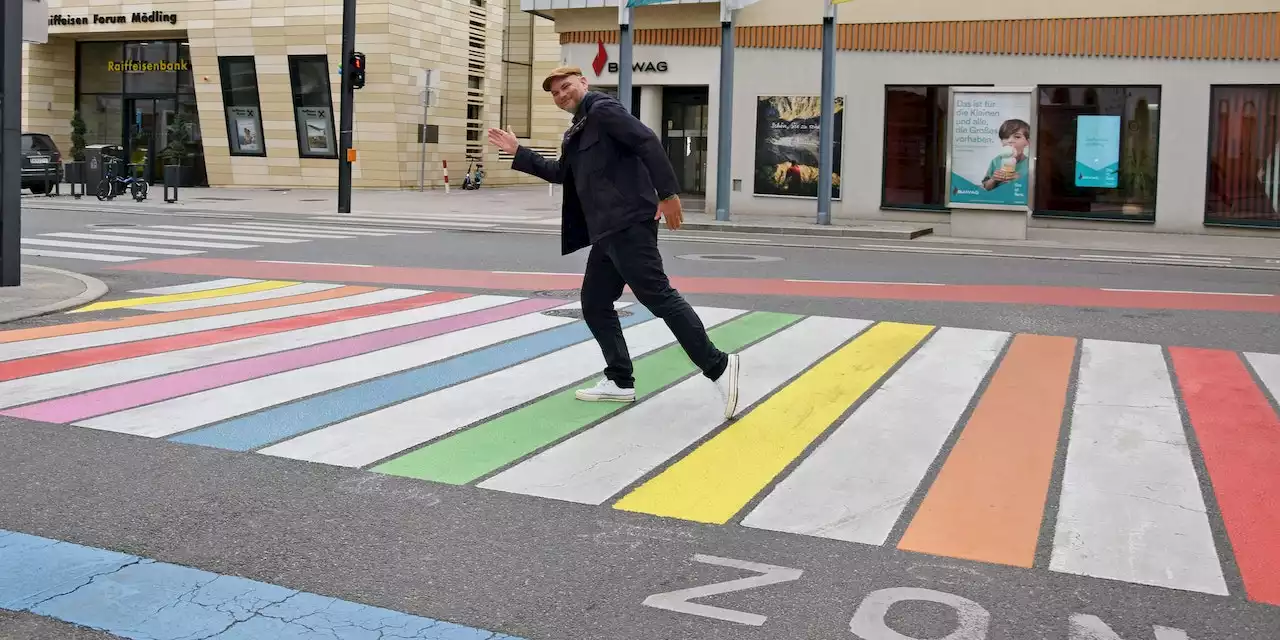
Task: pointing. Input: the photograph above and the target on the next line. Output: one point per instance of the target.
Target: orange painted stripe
(988, 501)
(17, 335)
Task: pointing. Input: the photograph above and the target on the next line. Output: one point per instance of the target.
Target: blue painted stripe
(301, 416)
(135, 597)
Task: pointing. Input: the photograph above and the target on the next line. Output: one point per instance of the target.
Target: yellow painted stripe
(266, 285)
(719, 478)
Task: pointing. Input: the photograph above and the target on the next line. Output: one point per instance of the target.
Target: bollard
(172, 174)
(52, 186)
(75, 176)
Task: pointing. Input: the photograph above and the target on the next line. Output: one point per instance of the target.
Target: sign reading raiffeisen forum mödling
(991, 148)
(1098, 151)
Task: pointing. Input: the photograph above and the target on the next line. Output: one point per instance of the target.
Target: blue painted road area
(135, 597)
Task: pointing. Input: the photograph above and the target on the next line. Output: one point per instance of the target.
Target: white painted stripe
(462, 217)
(887, 247)
(415, 223)
(57, 344)
(193, 287)
(354, 231)
(536, 273)
(62, 383)
(1131, 507)
(275, 233)
(1151, 258)
(76, 255)
(207, 407)
(910, 284)
(323, 264)
(269, 294)
(1267, 366)
(71, 244)
(856, 484)
(373, 436)
(596, 464)
(1175, 255)
(1199, 293)
(137, 240)
(204, 236)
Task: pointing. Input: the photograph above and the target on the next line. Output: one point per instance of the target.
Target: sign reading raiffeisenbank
(134, 66)
(137, 17)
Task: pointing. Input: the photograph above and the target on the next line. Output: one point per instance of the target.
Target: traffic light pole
(348, 106)
(11, 145)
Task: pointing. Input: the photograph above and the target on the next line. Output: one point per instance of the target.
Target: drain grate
(577, 313)
(105, 225)
(567, 294)
(313, 200)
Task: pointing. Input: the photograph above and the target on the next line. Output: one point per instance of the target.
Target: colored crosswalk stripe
(596, 464)
(266, 285)
(1131, 507)
(987, 502)
(856, 484)
(719, 478)
(468, 455)
(190, 287)
(1239, 434)
(1267, 366)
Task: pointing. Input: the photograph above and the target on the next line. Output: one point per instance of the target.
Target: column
(651, 107)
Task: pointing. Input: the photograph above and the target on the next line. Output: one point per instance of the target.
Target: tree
(78, 130)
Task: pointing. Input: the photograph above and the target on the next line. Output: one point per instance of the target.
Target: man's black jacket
(614, 170)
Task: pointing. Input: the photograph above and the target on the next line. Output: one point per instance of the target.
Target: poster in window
(787, 146)
(245, 129)
(990, 148)
(315, 126)
(1098, 152)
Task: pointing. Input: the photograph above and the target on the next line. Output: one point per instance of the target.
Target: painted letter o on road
(868, 621)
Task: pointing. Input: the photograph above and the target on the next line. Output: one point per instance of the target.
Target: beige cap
(559, 72)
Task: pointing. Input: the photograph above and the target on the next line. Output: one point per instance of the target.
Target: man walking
(617, 183)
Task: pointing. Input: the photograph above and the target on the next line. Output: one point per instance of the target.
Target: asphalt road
(541, 569)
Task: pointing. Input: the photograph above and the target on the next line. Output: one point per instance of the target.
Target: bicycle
(113, 184)
(474, 175)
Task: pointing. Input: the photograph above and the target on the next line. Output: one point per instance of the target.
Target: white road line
(1199, 293)
(856, 484)
(1131, 507)
(885, 247)
(536, 273)
(215, 405)
(57, 344)
(1267, 366)
(373, 436)
(219, 228)
(75, 255)
(193, 287)
(593, 466)
(323, 264)
(202, 236)
(1152, 258)
(464, 217)
(137, 240)
(355, 231)
(62, 383)
(1175, 255)
(414, 223)
(270, 294)
(71, 244)
(912, 284)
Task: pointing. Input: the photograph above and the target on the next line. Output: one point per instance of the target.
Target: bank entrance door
(685, 118)
(147, 134)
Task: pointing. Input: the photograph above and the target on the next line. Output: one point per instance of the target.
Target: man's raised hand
(504, 140)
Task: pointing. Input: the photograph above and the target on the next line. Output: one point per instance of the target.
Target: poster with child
(990, 149)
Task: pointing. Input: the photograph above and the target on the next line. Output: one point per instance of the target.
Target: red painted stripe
(1239, 434)
(108, 353)
(974, 294)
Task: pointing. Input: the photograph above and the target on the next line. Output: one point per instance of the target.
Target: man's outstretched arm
(526, 160)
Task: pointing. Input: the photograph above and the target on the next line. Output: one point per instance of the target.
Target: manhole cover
(577, 313)
(113, 224)
(728, 257)
(567, 294)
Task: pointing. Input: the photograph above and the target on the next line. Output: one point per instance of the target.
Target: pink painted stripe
(135, 394)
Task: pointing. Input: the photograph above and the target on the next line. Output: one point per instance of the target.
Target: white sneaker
(606, 391)
(727, 384)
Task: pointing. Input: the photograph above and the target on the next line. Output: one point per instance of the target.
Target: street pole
(826, 126)
(725, 136)
(625, 54)
(11, 145)
(348, 106)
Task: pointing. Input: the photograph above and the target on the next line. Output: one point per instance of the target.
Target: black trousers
(630, 257)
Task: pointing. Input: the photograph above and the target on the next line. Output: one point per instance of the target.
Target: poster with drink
(991, 148)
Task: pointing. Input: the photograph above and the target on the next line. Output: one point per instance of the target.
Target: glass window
(1244, 156)
(915, 133)
(313, 106)
(99, 70)
(151, 67)
(1097, 152)
(186, 78)
(242, 107)
(103, 119)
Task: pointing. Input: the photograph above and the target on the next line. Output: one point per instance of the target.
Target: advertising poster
(1098, 151)
(246, 130)
(991, 147)
(787, 149)
(316, 131)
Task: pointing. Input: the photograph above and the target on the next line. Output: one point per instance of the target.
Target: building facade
(1186, 95)
(246, 93)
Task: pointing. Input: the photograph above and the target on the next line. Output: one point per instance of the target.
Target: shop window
(1097, 150)
(151, 67)
(241, 105)
(915, 135)
(1243, 186)
(517, 71)
(99, 70)
(313, 106)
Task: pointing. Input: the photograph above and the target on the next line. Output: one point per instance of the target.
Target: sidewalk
(45, 290)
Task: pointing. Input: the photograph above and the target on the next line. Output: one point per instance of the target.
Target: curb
(93, 289)
(836, 232)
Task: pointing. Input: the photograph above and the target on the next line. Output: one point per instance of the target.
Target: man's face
(568, 92)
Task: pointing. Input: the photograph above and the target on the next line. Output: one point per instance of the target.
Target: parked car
(38, 152)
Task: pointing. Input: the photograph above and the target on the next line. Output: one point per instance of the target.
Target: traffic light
(357, 70)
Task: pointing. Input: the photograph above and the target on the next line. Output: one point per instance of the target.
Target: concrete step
(891, 231)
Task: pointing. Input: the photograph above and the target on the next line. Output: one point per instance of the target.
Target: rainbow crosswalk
(1107, 459)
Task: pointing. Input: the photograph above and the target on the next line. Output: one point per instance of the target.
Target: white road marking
(71, 244)
(274, 233)
(76, 255)
(407, 222)
(323, 264)
(137, 240)
(1267, 366)
(193, 287)
(205, 236)
(254, 296)
(1199, 293)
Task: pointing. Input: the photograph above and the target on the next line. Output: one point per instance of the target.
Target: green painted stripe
(469, 455)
